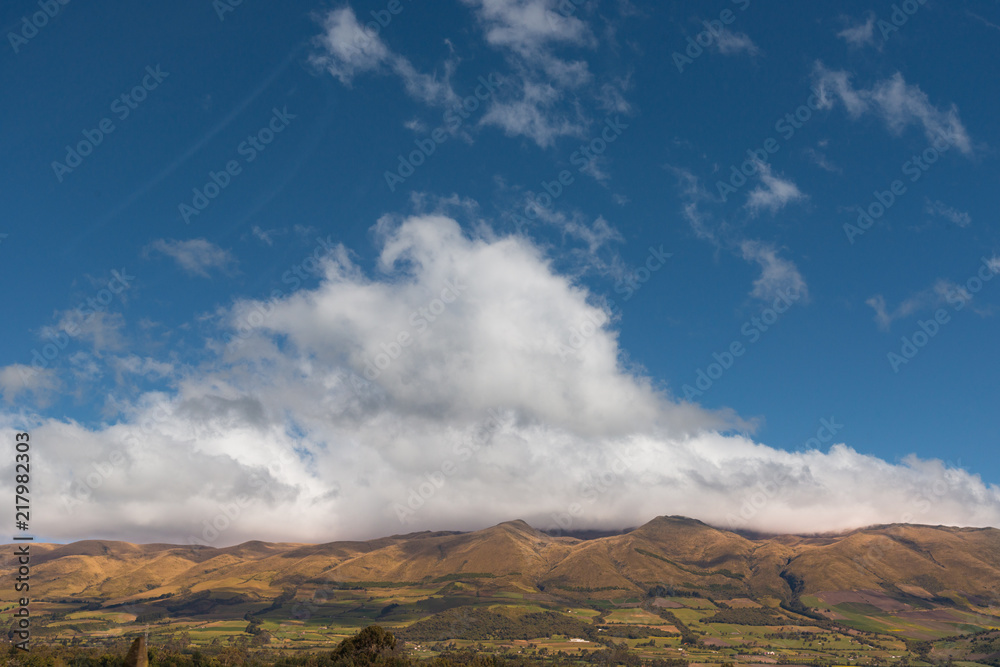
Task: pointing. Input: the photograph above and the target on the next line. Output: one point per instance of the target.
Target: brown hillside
(674, 552)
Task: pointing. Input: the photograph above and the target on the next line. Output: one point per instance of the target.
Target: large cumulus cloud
(463, 382)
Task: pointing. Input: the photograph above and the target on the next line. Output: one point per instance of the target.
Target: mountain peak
(519, 526)
(676, 521)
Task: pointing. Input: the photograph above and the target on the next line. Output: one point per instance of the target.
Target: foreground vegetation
(376, 647)
(467, 622)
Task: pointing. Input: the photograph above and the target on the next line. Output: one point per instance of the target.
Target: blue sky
(258, 199)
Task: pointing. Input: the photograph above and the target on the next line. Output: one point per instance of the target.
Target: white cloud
(773, 194)
(548, 103)
(598, 236)
(536, 114)
(285, 424)
(949, 213)
(702, 222)
(196, 257)
(830, 85)
(862, 34)
(529, 26)
(821, 161)
(18, 379)
(148, 367)
(612, 99)
(266, 235)
(530, 29)
(778, 276)
(101, 328)
(884, 317)
(543, 100)
(902, 105)
(896, 102)
(348, 49)
(428, 88)
(942, 292)
(416, 125)
(731, 43)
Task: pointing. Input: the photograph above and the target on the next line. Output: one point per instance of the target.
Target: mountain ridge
(674, 552)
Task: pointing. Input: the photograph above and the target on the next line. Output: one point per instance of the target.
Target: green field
(310, 619)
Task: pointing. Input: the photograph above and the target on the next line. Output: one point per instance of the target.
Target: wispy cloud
(266, 235)
(347, 50)
(773, 194)
(102, 329)
(985, 21)
(416, 125)
(896, 102)
(822, 161)
(196, 257)
(547, 95)
(18, 379)
(730, 43)
(531, 34)
(861, 34)
(530, 30)
(943, 291)
(956, 217)
(778, 276)
(537, 113)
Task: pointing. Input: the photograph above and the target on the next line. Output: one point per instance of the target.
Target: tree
(372, 645)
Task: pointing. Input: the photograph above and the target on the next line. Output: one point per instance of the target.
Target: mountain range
(899, 562)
